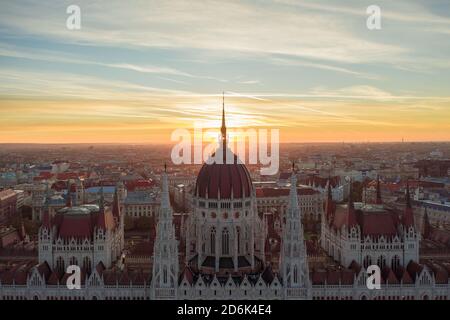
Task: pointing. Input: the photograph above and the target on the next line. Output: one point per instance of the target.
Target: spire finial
(293, 166)
(223, 128)
(165, 167)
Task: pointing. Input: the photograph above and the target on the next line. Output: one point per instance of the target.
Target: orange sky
(299, 120)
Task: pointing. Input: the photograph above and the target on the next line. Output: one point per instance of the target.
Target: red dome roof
(214, 179)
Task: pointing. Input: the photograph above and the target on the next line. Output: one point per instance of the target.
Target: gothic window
(367, 262)
(295, 274)
(213, 240)
(381, 262)
(238, 236)
(73, 261)
(60, 264)
(225, 241)
(165, 274)
(395, 263)
(87, 264)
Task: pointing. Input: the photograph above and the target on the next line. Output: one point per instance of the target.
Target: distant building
(141, 204)
(370, 234)
(85, 235)
(8, 204)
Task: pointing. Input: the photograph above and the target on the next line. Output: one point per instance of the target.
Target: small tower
(165, 253)
(353, 234)
(410, 235)
(45, 233)
(80, 192)
(293, 264)
(101, 235)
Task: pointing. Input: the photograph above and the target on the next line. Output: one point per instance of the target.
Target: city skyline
(134, 73)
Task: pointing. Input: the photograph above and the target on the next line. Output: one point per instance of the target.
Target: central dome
(223, 181)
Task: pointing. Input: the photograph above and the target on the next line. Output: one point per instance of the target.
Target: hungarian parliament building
(228, 248)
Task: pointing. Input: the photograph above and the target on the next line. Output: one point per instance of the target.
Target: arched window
(73, 261)
(87, 264)
(367, 262)
(381, 262)
(395, 263)
(225, 241)
(165, 274)
(295, 274)
(60, 264)
(238, 236)
(213, 240)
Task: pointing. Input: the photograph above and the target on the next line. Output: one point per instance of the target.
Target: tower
(294, 266)
(45, 233)
(165, 253)
(411, 236)
(80, 192)
(101, 235)
(350, 250)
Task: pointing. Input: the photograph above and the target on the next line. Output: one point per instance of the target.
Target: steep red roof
(377, 224)
(187, 274)
(76, 226)
(389, 276)
(222, 180)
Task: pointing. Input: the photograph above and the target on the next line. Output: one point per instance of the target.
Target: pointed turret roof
(408, 216)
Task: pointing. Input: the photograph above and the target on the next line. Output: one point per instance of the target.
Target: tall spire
(223, 129)
(165, 256)
(408, 216)
(293, 192)
(293, 258)
(165, 200)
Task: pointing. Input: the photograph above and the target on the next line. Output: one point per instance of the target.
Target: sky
(138, 70)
